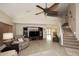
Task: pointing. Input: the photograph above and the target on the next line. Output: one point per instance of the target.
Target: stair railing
(61, 35)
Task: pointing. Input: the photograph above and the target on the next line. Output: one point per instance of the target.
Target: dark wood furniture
(41, 32)
(55, 37)
(3, 29)
(26, 33)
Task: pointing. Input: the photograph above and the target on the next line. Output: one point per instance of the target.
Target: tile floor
(44, 48)
(72, 52)
(47, 47)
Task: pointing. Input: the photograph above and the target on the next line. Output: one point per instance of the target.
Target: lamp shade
(7, 36)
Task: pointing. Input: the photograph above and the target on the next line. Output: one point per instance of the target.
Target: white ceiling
(14, 9)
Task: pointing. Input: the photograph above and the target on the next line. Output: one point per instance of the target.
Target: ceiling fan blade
(39, 13)
(53, 6)
(52, 13)
(40, 7)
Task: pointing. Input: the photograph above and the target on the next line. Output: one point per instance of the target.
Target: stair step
(69, 35)
(71, 43)
(73, 40)
(74, 47)
(66, 32)
(69, 38)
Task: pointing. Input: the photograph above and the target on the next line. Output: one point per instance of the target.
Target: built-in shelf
(33, 32)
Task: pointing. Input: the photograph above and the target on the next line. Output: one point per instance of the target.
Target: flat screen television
(33, 33)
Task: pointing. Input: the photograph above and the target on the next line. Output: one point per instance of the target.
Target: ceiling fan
(48, 11)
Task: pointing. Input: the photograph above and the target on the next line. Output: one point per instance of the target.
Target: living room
(31, 30)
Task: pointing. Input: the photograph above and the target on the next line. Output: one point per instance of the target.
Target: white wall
(19, 28)
(5, 19)
(35, 19)
(77, 21)
(25, 20)
(72, 20)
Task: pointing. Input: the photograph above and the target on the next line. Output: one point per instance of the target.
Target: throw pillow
(20, 40)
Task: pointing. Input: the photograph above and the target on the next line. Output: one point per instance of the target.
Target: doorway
(49, 34)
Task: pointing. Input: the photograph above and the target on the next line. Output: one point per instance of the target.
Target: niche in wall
(33, 32)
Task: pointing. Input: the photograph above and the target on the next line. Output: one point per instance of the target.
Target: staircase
(69, 39)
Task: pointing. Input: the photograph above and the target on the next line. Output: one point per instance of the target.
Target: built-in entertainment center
(33, 33)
